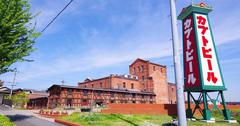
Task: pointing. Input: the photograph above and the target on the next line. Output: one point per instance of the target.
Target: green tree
(20, 99)
(17, 33)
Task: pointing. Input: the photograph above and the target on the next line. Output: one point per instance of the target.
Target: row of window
(92, 85)
(125, 101)
(124, 85)
(71, 101)
(85, 93)
(140, 69)
(101, 85)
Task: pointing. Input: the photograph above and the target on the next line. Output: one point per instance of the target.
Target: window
(92, 85)
(70, 91)
(132, 86)
(124, 85)
(139, 69)
(142, 68)
(101, 84)
(112, 94)
(112, 101)
(172, 89)
(99, 93)
(84, 93)
(154, 68)
(143, 78)
(134, 70)
(133, 95)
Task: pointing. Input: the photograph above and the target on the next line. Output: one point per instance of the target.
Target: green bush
(4, 121)
(20, 99)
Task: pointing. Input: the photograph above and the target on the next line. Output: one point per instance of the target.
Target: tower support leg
(206, 111)
(226, 112)
(189, 110)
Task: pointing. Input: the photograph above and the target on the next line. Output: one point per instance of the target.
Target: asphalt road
(26, 118)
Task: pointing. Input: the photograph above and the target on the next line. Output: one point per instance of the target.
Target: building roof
(29, 90)
(100, 89)
(170, 83)
(5, 90)
(146, 61)
(38, 95)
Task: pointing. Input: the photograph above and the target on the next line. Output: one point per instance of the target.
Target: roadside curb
(43, 117)
(66, 122)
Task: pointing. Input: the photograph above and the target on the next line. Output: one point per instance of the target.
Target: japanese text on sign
(210, 69)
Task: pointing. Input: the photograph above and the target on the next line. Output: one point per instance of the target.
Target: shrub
(4, 121)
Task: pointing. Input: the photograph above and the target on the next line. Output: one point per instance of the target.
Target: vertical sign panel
(191, 69)
(210, 71)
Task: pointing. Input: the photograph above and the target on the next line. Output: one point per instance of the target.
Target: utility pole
(177, 67)
(13, 83)
(62, 82)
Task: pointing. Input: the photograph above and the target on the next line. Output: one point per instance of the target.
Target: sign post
(177, 67)
(202, 73)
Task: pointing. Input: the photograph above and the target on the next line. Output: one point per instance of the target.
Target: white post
(177, 67)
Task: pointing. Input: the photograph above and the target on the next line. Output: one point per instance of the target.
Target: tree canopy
(17, 32)
(20, 99)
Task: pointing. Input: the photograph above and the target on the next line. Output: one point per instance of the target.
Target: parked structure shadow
(18, 117)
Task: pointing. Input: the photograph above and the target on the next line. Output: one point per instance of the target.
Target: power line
(54, 18)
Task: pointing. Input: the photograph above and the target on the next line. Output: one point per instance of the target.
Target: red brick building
(145, 83)
(63, 96)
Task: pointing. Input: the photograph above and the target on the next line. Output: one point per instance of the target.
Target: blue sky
(94, 38)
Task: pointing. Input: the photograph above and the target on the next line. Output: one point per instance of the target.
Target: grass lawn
(236, 114)
(98, 119)
(4, 121)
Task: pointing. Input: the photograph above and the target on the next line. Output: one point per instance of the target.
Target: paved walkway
(26, 118)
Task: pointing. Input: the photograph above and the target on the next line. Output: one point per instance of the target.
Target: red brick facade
(122, 82)
(153, 78)
(62, 96)
(145, 83)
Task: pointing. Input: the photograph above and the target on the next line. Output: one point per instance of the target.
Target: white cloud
(227, 31)
(142, 40)
(46, 11)
(147, 37)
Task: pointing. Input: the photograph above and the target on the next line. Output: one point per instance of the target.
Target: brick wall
(113, 82)
(160, 109)
(172, 93)
(70, 96)
(153, 78)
